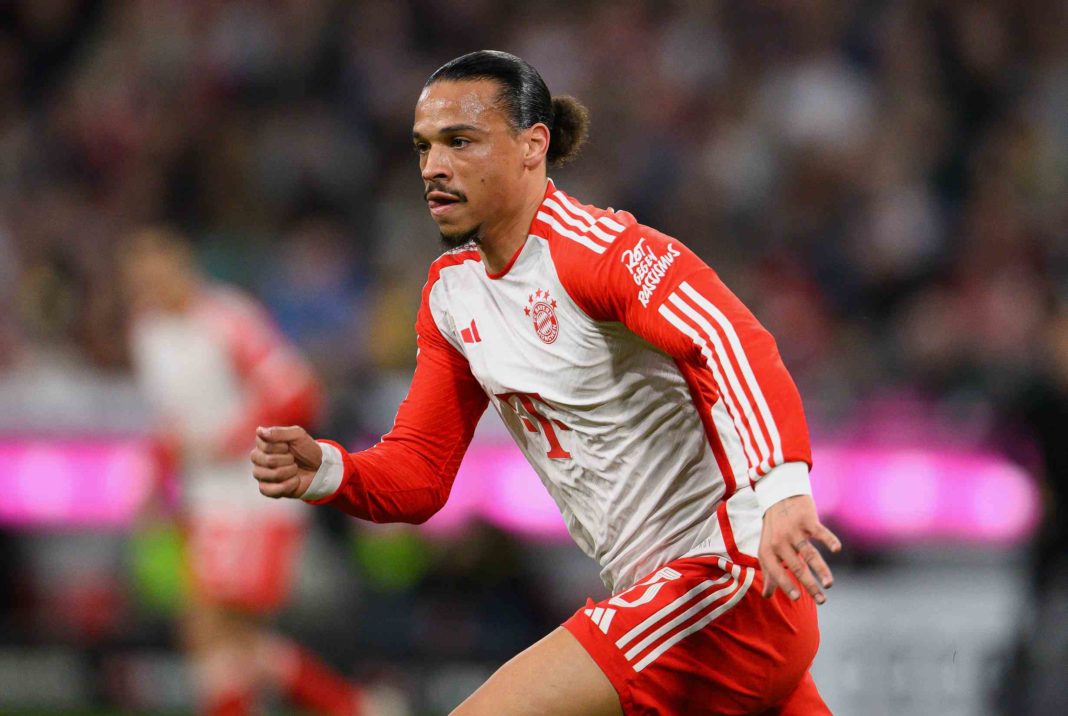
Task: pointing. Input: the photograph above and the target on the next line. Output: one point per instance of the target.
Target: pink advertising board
(878, 495)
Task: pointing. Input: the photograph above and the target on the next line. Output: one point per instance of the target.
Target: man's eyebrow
(451, 129)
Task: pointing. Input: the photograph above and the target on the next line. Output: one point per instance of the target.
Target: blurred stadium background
(884, 183)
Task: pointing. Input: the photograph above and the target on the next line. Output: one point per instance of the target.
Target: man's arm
(663, 292)
(407, 476)
(277, 383)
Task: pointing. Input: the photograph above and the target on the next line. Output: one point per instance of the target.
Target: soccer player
(213, 366)
(651, 403)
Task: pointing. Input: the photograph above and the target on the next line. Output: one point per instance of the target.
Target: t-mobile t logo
(525, 404)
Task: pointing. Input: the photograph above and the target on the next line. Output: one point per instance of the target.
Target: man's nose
(436, 165)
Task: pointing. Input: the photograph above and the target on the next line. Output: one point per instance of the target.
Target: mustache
(434, 186)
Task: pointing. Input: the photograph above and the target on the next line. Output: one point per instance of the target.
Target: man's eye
(460, 142)
(421, 147)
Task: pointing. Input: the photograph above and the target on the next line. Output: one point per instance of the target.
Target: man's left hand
(790, 528)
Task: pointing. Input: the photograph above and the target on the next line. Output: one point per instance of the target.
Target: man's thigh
(553, 677)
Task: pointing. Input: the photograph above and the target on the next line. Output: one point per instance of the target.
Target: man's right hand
(285, 460)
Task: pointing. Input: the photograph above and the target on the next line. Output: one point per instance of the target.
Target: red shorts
(697, 637)
(244, 563)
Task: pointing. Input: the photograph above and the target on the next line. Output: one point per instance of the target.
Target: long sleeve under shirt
(651, 403)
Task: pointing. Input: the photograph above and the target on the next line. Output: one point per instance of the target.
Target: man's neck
(500, 243)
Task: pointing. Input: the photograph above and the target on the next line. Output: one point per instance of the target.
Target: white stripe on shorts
(669, 609)
(699, 624)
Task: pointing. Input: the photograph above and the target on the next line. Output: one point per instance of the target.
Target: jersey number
(526, 405)
(645, 592)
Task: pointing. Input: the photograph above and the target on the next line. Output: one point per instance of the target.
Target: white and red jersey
(212, 373)
(647, 398)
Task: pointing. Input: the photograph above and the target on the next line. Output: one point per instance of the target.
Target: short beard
(455, 241)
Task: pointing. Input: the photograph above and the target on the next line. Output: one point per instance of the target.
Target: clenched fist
(285, 460)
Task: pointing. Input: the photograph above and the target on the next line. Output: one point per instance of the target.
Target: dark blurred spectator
(897, 163)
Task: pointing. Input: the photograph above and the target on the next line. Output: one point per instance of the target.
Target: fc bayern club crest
(541, 309)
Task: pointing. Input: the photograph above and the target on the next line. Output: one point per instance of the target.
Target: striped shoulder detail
(594, 228)
(716, 338)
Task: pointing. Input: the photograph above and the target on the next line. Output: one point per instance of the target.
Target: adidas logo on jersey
(601, 617)
(470, 334)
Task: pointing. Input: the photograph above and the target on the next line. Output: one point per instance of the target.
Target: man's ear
(535, 144)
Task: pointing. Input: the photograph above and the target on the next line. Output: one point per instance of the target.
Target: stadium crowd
(883, 183)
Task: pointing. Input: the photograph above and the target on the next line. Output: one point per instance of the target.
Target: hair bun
(569, 129)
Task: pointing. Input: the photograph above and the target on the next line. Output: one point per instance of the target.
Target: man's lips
(440, 202)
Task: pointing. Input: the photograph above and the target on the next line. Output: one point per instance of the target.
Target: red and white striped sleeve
(619, 270)
(408, 475)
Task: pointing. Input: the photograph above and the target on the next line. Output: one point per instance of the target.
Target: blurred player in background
(652, 404)
(213, 366)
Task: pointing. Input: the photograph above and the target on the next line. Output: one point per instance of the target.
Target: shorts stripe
(606, 621)
(666, 611)
(681, 619)
(699, 624)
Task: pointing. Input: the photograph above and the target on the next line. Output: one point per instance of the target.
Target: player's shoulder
(584, 241)
(231, 308)
(577, 231)
(228, 299)
(583, 235)
(453, 257)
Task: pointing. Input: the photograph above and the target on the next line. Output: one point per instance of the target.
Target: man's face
(470, 158)
(157, 279)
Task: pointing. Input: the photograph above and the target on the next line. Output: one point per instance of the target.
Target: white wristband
(787, 480)
(328, 478)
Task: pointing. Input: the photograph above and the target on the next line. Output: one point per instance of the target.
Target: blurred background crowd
(883, 183)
